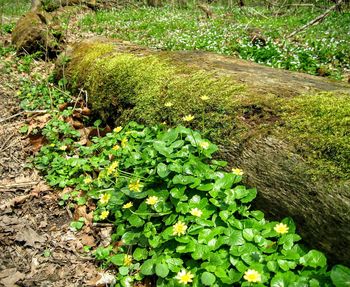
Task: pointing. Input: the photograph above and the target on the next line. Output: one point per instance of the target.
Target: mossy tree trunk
(287, 131)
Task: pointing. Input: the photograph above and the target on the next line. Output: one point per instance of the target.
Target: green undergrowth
(322, 50)
(179, 218)
(13, 8)
(150, 89)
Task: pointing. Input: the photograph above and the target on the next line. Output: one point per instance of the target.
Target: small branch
(24, 112)
(316, 20)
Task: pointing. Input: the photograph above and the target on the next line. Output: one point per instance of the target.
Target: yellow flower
(252, 275)
(204, 145)
(237, 171)
(179, 228)
(116, 147)
(152, 200)
(117, 129)
(196, 212)
(104, 214)
(104, 198)
(127, 260)
(168, 104)
(19, 93)
(52, 145)
(124, 142)
(135, 186)
(188, 118)
(184, 277)
(63, 147)
(281, 228)
(128, 205)
(205, 98)
(87, 180)
(112, 167)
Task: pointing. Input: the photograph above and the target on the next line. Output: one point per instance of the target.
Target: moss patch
(150, 88)
(319, 125)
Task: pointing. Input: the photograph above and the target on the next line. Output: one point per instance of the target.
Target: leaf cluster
(148, 181)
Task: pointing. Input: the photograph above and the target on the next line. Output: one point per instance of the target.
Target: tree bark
(244, 115)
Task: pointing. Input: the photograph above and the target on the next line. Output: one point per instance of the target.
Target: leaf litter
(38, 248)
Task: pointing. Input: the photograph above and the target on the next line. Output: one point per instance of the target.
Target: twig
(21, 184)
(6, 141)
(23, 112)
(316, 20)
(99, 224)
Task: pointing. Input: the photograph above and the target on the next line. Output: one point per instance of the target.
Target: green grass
(14, 8)
(321, 48)
(9, 12)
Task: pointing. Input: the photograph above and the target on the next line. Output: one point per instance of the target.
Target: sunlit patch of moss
(124, 86)
(320, 126)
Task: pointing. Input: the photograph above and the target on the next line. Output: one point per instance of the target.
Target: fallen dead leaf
(29, 236)
(12, 278)
(88, 240)
(106, 236)
(80, 211)
(37, 141)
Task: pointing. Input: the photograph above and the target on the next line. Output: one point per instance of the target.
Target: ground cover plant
(252, 33)
(180, 216)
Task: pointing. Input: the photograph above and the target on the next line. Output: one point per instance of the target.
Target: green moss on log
(151, 89)
(319, 125)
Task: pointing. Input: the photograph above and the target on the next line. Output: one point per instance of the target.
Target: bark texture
(288, 131)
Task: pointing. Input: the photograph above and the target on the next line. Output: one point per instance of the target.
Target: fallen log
(288, 131)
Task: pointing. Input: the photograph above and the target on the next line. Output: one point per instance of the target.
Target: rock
(288, 131)
(34, 33)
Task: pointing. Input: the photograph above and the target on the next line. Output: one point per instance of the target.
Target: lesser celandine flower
(104, 198)
(127, 260)
(104, 214)
(252, 275)
(117, 129)
(204, 145)
(184, 277)
(63, 147)
(87, 180)
(281, 228)
(237, 171)
(196, 212)
(179, 228)
(152, 200)
(188, 118)
(205, 98)
(116, 147)
(112, 167)
(124, 142)
(168, 104)
(135, 186)
(128, 205)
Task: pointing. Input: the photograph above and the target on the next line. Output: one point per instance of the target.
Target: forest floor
(38, 248)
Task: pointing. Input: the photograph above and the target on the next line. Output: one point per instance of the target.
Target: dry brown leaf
(87, 240)
(86, 111)
(78, 125)
(37, 141)
(29, 236)
(80, 211)
(12, 278)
